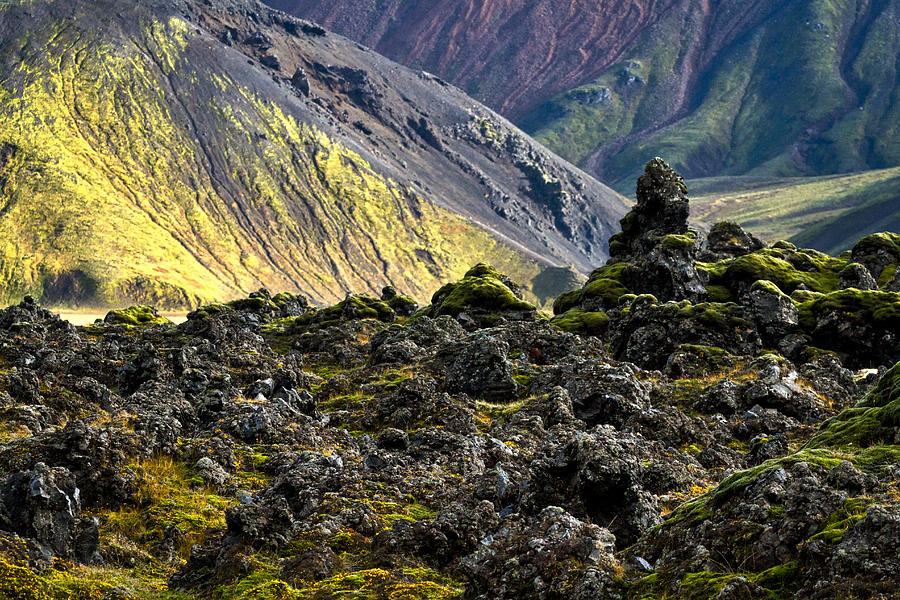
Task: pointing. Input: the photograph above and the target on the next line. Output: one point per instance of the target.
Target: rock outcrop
(739, 442)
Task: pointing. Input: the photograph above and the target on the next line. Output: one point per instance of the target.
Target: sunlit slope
(137, 165)
(827, 213)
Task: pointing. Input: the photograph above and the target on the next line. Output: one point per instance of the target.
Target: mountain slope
(511, 55)
(719, 88)
(785, 89)
(827, 213)
(150, 148)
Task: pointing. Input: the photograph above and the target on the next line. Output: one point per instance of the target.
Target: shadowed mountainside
(721, 88)
(511, 55)
(176, 152)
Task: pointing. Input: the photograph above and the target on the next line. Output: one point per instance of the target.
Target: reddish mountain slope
(718, 87)
(511, 54)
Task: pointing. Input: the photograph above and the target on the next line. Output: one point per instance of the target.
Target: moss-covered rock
(401, 304)
(353, 307)
(602, 291)
(877, 251)
(648, 332)
(252, 304)
(136, 316)
(789, 270)
(484, 294)
(874, 421)
(676, 241)
(582, 322)
(861, 325)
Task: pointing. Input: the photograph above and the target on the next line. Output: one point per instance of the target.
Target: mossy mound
(878, 252)
(353, 307)
(777, 583)
(582, 322)
(873, 307)
(696, 361)
(785, 266)
(136, 316)
(484, 294)
(676, 241)
(648, 332)
(603, 290)
(401, 304)
(874, 421)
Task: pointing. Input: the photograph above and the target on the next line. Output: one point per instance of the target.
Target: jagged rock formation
(177, 152)
(720, 447)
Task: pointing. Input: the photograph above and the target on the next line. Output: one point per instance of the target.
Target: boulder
(856, 275)
(44, 504)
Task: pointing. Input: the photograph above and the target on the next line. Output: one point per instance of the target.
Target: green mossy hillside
(782, 78)
(112, 194)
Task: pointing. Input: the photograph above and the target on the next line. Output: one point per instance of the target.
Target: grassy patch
(168, 496)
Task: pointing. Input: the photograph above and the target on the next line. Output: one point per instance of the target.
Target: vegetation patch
(483, 289)
(582, 322)
(136, 316)
(168, 496)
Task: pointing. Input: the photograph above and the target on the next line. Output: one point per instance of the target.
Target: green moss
(837, 524)
(763, 285)
(409, 583)
(402, 304)
(136, 316)
(499, 411)
(872, 422)
(779, 582)
(784, 245)
(566, 301)
(719, 293)
(880, 308)
(712, 314)
(802, 296)
(358, 306)
(678, 242)
(736, 482)
(168, 495)
(609, 290)
(878, 243)
(582, 322)
(75, 582)
(262, 584)
(523, 380)
(482, 288)
(773, 265)
(701, 361)
(775, 513)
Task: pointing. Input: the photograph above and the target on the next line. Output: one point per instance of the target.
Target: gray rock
(211, 472)
(856, 275)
